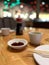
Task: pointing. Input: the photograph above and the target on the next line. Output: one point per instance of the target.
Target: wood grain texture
(10, 56)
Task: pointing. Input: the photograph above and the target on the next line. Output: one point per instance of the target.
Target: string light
(43, 3)
(8, 0)
(5, 2)
(12, 4)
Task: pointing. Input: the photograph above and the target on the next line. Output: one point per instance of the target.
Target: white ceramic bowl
(35, 37)
(10, 42)
(5, 31)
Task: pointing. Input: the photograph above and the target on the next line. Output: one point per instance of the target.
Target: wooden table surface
(10, 56)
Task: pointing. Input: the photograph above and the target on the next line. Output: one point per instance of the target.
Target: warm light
(18, 12)
(43, 3)
(21, 6)
(25, 28)
(9, 14)
(16, 16)
(32, 16)
(6, 14)
(22, 15)
(30, 28)
(44, 17)
(26, 15)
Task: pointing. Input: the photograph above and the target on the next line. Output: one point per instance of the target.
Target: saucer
(12, 30)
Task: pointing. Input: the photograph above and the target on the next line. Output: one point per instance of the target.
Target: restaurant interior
(33, 14)
(24, 32)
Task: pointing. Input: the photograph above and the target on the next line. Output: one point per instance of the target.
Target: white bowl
(5, 31)
(35, 37)
(10, 42)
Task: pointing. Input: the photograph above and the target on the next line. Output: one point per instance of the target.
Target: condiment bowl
(17, 43)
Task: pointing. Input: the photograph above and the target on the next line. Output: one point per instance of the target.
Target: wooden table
(9, 56)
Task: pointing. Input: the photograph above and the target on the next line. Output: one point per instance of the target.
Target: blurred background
(29, 10)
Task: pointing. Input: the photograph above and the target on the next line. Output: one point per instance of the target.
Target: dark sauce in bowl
(17, 44)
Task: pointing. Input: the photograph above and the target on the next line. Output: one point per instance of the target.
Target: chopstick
(43, 53)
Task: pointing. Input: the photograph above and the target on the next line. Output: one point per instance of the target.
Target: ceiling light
(43, 3)
(8, 0)
(5, 2)
(21, 6)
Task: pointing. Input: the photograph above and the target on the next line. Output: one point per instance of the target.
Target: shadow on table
(15, 50)
(47, 39)
(35, 62)
(33, 44)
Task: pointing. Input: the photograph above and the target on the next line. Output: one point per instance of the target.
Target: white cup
(5, 31)
(35, 37)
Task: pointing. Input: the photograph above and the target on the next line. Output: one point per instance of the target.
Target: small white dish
(40, 59)
(12, 30)
(17, 40)
(5, 31)
(9, 31)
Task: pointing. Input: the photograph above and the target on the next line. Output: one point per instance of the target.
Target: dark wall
(7, 22)
(11, 23)
(41, 24)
